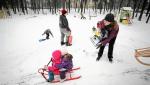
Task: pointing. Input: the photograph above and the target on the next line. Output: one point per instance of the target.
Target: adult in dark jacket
(64, 27)
(107, 25)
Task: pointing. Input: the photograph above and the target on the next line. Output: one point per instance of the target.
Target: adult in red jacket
(109, 29)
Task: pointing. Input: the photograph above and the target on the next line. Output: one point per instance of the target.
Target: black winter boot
(110, 60)
(98, 58)
(62, 43)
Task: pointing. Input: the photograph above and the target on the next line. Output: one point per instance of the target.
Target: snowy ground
(21, 54)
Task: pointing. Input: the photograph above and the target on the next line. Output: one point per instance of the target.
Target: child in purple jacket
(65, 65)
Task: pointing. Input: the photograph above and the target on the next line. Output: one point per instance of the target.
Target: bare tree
(105, 6)
(12, 2)
(85, 3)
(148, 18)
(134, 8)
(111, 5)
(42, 5)
(143, 8)
(22, 6)
(75, 2)
(120, 5)
(138, 7)
(148, 9)
(25, 4)
(69, 2)
(100, 5)
(81, 6)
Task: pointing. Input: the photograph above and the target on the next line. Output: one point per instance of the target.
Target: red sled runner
(44, 73)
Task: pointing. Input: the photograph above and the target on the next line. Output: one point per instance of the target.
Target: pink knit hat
(56, 56)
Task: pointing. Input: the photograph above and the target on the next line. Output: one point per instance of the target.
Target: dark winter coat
(112, 31)
(63, 22)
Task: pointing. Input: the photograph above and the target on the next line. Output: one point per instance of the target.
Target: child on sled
(65, 65)
(61, 63)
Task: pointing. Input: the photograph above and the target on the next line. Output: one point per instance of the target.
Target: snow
(21, 54)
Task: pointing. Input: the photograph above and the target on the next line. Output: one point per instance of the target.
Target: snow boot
(110, 60)
(98, 58)
(62, 43)
(51, 76)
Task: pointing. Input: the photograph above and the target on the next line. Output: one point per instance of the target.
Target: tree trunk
(120, 5)
(63, 4)
(85, 3)
(111, 5)
(81, 6)
(148, 18)
(18, 5)
(100, 6)
(69, 5)
(143, 7)
(13, 7)
(105, 8)
(128, 3)
(55, 5)
(75, 5)
(42, 3)
(22, 6)
(134, 7)
(26, 6)
(50, 6)
(137, 10)
(148, 10)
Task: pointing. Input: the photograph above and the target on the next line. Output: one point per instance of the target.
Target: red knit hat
(63, 11)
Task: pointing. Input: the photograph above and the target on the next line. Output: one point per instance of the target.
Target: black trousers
(110, 49)
(63, 74)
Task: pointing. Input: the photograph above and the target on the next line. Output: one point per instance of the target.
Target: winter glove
(99, 45)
